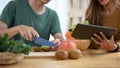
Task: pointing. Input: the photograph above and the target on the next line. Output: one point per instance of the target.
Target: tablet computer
(83, 31)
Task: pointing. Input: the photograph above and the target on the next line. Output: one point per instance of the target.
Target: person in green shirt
(25, 19)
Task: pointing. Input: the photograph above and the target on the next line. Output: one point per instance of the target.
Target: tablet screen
(87, 31)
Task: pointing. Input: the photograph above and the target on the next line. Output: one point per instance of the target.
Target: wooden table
(90, 59)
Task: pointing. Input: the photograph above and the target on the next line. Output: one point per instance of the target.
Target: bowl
(10, 58)
(83, 44)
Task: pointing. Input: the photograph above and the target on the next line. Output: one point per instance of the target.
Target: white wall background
(2, 4)
(61, 7)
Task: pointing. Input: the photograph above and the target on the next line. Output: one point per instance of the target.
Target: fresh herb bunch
(13, 46)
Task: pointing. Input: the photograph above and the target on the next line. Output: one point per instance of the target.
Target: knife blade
(42, 41)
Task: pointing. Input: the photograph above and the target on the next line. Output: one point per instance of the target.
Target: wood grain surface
(90, 59)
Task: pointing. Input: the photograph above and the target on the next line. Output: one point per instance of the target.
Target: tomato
(67, 45)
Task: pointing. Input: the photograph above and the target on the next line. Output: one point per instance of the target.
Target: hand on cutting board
(104, 43)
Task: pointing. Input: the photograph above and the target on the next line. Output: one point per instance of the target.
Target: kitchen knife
(42, 41)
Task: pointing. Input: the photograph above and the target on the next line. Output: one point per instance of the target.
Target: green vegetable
(3, 43)
(13, 46)
(74, 25)
(86, 22)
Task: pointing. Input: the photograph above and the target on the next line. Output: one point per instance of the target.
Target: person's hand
(57, 42)
(105, 43)
(27, 32)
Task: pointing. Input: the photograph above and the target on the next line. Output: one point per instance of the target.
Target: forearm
(26, 32)
(11, 32)
(58, 36)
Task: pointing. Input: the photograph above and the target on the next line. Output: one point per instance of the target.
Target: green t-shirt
(19, 12)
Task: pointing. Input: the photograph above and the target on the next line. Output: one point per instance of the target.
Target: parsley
(13, 46)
